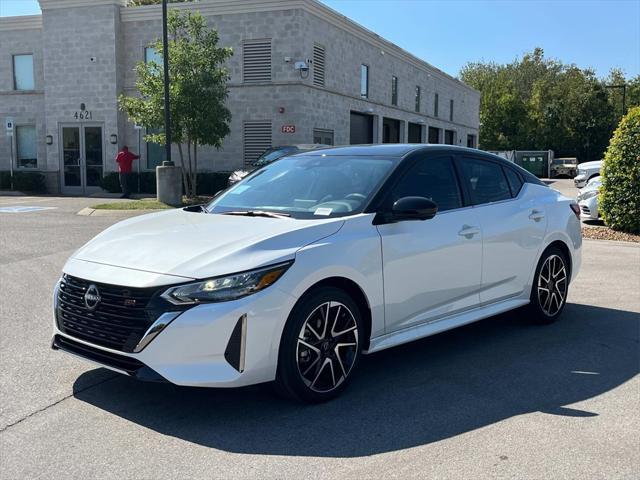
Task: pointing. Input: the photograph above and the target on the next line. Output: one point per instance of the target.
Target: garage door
(361, 129)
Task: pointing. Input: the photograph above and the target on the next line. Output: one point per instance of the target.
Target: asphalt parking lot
(497, 399)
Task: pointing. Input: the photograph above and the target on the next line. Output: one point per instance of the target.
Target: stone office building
(300, 73)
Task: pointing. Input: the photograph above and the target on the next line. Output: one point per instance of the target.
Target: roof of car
(390, 149)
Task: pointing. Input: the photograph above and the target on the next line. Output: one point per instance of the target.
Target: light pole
(165, 61)
(624, 95)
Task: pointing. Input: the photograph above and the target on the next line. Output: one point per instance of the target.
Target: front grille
(118, 321)
(120, 362)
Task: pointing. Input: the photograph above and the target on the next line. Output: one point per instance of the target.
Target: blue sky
(591, 33)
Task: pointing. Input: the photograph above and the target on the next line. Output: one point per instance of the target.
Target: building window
(471, 141)
(364, 81)
(150, 55)
(256, 61)
(318, 66)
(23, 72)
(451, 110)
(257, 139)
(26, 146)
(394, 91)
(156, 153)
(450, 137)
(435, 105)
(417, 99)
(322, 136)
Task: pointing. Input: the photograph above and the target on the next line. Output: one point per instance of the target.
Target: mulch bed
(600, 232)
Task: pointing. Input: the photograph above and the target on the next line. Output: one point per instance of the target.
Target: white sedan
(588, 199)
(299, 269)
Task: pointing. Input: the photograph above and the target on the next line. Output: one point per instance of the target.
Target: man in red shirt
(125, 158)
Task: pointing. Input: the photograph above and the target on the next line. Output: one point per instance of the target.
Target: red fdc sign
(288, 129)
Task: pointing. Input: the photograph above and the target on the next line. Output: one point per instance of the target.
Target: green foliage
(209, 183)
(111, 182)
(197, 91)
(138, 3)
(536, 103)
(29, 182)
(619, 200)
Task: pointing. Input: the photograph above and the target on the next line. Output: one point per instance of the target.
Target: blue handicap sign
(23, 209)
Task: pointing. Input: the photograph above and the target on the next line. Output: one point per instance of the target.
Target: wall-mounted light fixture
(113, 139)
(82, 107)
(49, 139)
(420, 121)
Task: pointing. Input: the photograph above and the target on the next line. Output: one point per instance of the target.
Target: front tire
(550, 286)
(320, 346)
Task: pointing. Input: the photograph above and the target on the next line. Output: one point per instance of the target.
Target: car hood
(200, 245)
(594, 164)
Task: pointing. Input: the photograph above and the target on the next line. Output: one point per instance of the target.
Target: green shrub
(111, 182)
(619, 200)
(209, 183)
(29, 182)
(5, 180)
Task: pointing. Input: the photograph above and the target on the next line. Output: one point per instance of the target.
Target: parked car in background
(588, 199)
(564, 167)
(271, 155)
(586, 171)
(295, 272)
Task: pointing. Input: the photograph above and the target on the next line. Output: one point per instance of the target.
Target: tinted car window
(485, 180)
(515, 183)
(432, 178)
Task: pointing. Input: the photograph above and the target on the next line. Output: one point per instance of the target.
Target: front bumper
(580, 181)
(202, 346)
(589, 208)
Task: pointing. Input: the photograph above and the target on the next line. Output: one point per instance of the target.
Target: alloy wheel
(552, 285)
(327, 346)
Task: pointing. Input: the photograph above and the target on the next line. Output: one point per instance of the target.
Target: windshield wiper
(257, 213)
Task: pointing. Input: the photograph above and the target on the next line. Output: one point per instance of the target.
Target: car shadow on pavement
(419, 393)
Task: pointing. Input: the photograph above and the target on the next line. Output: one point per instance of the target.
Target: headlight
(230, 287)
(589, 194)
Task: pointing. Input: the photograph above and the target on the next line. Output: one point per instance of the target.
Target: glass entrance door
(82, 159)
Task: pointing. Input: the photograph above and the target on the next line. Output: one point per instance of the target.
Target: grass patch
(148, 204)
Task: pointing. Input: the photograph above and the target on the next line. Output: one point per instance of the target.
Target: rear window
(514, 180)
(485, 180)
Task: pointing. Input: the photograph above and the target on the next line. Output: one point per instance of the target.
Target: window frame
(418, 99)
(436, 104)
(14, 140)
(506, 169)
(15, 78)
(451, 110)
(394, 90)
(364, 68)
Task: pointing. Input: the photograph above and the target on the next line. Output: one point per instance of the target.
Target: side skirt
(427, 329)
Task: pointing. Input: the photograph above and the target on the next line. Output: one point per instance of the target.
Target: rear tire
(550, 286)
(320, 346)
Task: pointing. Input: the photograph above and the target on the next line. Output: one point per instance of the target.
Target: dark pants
(125, 184)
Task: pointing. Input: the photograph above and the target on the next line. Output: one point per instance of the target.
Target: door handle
(468, 231)
(536, 215)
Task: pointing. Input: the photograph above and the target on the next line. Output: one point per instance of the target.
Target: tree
(197, 91)
(139, 3)
(536, 103)
(619, 198)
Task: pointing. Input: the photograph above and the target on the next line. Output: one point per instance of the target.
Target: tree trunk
(184, 177)
(195, 169)
(190, 180)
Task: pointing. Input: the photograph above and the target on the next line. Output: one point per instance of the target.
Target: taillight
(576, 209)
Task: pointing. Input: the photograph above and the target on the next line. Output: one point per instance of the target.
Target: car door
(513, 225)
(431, 268)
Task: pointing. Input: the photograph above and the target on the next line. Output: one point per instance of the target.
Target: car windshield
(273, 154)
(312, 187)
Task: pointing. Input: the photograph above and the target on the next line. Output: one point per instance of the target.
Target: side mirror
(413, 208)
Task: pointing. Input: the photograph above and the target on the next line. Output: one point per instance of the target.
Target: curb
(93, 212)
